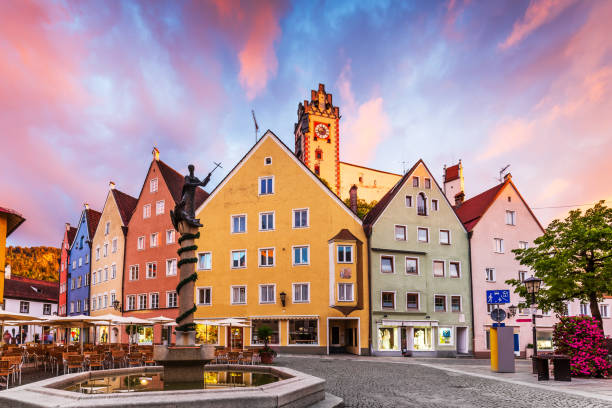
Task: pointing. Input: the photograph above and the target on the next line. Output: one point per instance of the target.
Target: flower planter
(266, 358)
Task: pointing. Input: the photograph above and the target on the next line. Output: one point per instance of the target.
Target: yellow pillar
(494, 352)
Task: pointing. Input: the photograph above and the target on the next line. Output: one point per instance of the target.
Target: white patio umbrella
(4, 316)
(80, 321)
(232, 321)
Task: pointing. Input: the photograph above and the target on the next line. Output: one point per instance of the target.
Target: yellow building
(317, 144)
(108, 248)
(280, 249)
(9, 221)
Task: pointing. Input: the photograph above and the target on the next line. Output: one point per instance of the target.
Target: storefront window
(103, 334)
(544, 339)
(273, 324)
(145, 335)
(422, 338)
(207, 334)
(303, 332)
(445, 336)
(74, 334)
(388, 338)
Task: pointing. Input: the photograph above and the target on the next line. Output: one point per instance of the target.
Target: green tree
(574, 260)
(363, 207)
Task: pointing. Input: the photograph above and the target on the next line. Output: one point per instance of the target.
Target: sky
(87, 88)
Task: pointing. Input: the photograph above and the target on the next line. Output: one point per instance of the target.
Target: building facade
(9, 221)
(64, 264)
(317, 145)
(108, 250)
(419, 271)
(280, 249)
(150, 271)
(77, 297)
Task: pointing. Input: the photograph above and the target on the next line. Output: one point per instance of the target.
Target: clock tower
(317, 137)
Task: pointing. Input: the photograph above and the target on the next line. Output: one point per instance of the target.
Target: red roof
(13, 219)
(93, 217)
(452, 173)
(471, 210)
(71, 234)
(126, 204)
(175, 182)
(18, 287)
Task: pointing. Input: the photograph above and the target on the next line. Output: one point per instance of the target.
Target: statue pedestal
(184, 363)
(185, 338)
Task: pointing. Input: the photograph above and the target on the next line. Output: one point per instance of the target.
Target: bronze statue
(185, 209)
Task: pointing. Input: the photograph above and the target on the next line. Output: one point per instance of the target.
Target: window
(151, 270)
(345, 292)
(434, 205)
(71, 307)
(146, 211)
(318, 154)
(239, 259)
(73, 283)
(408, 201)
(171, 299)
(499, 245)
(412, 301)
(170, 267)
(86, 258)
(105, 252)
(114, 245)
(80, 261)
(154, 300)
(170, 236)
(445, 237)
(267, 161)
(94, 304)
(440, 303)
(523, 244)
(603, 309)
(153, 185)
(388, 300)
(427, 183)
(159, 207)
(400, 232)
(438, 268)
(78, 306)
(266, 294)
(105, 273)
(490, 274)
(266, 257)
(510, 218)
(142, 302)
(266, 221)
(387, 264)
(445, 336)
(79, 281)
(454, 269)
(107, 228)
(141, 243)
(205, 296)
(266, 185)
(94, 278)
(345, 254)
(421, 204)
(455, 303)
(412, 266)
(131, 302)
(24, 307)
(113, 271)
(105, 300)
(301, 255)
(415, 182)
(154, 239)
(317, 169)
(74, 264)
(584, 309)
(239, 295)
(134, 272)
(300, 218)
(205, 261)
(522, 275)
(423, 234)
(303, 332)
(274, 325)
(113, 298)
(301, 292)
(238, 224)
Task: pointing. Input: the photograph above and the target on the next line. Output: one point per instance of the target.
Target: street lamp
(283, 298)
(533, 287)
(117, 305)
(512, 310)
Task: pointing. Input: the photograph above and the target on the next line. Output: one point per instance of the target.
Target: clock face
(321, 131)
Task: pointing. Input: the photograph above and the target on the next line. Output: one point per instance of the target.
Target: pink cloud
(538, 13)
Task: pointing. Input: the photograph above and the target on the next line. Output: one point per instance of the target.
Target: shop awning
(410, 323)
(285, 317)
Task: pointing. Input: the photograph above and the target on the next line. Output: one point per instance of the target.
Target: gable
(270, 143)
(79, 229)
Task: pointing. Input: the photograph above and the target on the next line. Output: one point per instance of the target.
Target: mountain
(35, 262)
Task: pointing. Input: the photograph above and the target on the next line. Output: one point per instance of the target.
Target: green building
(419, 271)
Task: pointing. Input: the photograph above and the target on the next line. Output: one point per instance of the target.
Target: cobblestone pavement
(371, 384)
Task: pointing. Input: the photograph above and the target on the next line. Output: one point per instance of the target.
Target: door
(236, 340)
(462, 340)
(335, 336)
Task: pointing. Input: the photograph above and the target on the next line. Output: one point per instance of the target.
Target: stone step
(330, 401)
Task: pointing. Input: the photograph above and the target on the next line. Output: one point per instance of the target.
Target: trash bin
(542, 368)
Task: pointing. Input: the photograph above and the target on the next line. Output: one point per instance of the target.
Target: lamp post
(512, 310)
(283, 298)
(117, 305)
(533, 287)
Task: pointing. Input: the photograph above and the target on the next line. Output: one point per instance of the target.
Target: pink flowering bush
(583, 340)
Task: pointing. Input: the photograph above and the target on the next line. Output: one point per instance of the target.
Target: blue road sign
(498, 297)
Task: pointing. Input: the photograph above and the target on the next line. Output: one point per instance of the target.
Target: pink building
(498, 221)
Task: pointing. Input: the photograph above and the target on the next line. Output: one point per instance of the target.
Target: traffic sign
(497, 297)
(499, 315)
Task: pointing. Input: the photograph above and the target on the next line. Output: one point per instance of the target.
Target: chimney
(111, 185)
(67, 226)
(86, 206)
(155, 153)
(7, 271)
(507, 176)
(459, 199)
(453, 181)
(353, 198)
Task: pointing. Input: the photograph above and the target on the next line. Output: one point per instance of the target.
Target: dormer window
(421, 204)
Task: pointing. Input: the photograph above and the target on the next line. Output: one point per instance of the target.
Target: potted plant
(529, 351)
(266, 353)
